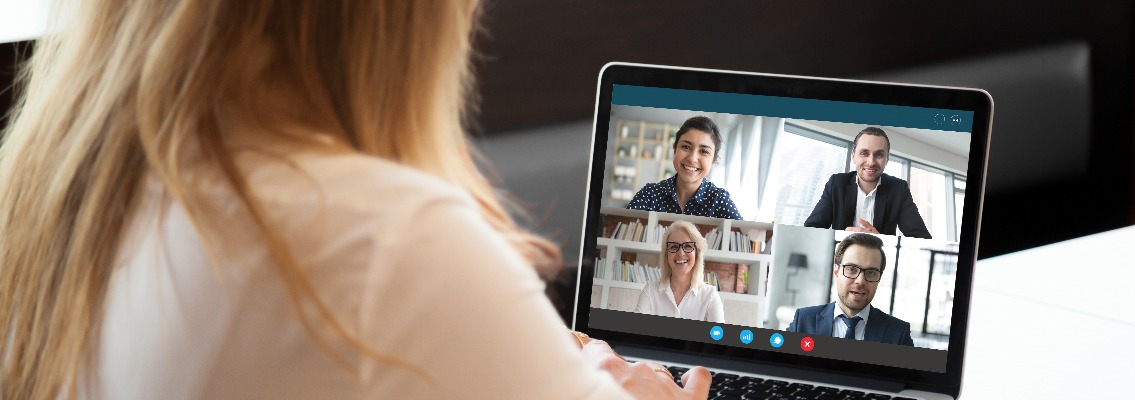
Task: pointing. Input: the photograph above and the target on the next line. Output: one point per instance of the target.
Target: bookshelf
(622, 294)
(641, 153)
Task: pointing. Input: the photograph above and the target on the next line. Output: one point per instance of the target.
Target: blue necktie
(850, 323)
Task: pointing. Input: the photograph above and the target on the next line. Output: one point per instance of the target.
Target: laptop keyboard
(732, 386)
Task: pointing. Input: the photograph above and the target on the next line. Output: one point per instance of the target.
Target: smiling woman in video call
(682, 291)
(271, 199)
(697, 148)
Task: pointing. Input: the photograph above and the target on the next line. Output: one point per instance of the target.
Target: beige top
(700, 303)
(402, 258)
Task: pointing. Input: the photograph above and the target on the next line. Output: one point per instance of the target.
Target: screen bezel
(977, 101)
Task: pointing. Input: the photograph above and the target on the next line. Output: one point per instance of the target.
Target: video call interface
(808, 227)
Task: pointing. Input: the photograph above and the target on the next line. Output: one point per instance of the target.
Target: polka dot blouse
(708, 201)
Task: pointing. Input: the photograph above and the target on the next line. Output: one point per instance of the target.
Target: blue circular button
(746, 336)
(716, 333)
(776, 340)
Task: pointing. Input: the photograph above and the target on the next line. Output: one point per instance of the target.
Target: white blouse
(401, 258)
(701, 302)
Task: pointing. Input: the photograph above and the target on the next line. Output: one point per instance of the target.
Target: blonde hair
(699, 254)
(129, 88)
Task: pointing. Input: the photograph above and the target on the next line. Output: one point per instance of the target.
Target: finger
(866, 225)
(696, 381)
(661, 369)
(853, 229)
(598, 345)
(579, 338)
(645, 368)
(600, 354)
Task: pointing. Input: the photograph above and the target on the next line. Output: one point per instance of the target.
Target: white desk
(1083, 289)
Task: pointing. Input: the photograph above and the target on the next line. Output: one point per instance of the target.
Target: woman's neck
(685, 192)
(679, 284)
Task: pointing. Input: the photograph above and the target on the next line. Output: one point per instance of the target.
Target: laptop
(773, 196)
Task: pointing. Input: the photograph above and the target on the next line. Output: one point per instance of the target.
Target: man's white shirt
(864, 202)
(839, 327)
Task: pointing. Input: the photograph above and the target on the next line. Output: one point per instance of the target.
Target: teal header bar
(789, 107)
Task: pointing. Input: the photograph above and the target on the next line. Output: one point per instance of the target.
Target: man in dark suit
(858, 267)
(867, 200)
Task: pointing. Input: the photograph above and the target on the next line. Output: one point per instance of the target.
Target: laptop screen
(812, 222)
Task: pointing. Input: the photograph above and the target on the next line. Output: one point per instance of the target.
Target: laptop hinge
(882, 385)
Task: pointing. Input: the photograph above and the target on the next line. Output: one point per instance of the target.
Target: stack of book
(738, 241)
(634, 231)
(627, 271)
(711, 279)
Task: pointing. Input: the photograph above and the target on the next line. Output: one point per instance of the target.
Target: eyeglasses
(686, 247)
(852, 272)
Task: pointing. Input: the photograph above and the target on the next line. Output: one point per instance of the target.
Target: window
(959, 203)
(802, 163)
(910, 287)
(897, 167)
(928, 187)
(924, 285)
(944, 264)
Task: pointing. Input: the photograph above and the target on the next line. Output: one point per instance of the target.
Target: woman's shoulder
(653, 286)
(318, 200)
(664, 184)
(714, 189)
(653, 186)
(707, 289)
(351, 181)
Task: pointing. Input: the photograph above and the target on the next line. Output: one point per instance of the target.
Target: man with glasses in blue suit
(858, 268)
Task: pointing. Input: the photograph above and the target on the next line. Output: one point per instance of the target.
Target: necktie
(850, 323)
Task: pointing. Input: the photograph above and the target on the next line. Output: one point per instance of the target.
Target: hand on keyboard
(645, 380)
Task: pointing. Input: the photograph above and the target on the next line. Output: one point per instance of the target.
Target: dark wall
(10, 56)
(541, 60)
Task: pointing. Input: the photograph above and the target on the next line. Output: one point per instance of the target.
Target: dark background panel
(553, 51)
(540, 62)
(11, 55)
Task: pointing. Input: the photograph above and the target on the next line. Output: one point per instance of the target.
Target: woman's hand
(647, 380)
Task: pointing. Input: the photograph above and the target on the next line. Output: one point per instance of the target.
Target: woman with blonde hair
(682, 291)
(271, 199)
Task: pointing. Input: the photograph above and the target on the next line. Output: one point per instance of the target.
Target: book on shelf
(713, 239)
(741, 242)
(711, 279)
(634, 231)
(655, 236)
(626, 271)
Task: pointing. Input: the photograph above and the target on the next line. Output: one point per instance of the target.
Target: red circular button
(807, 344)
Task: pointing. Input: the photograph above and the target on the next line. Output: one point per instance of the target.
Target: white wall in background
(22, 19)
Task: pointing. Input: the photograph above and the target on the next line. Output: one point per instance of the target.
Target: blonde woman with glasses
(682, 291)
(271, 199)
